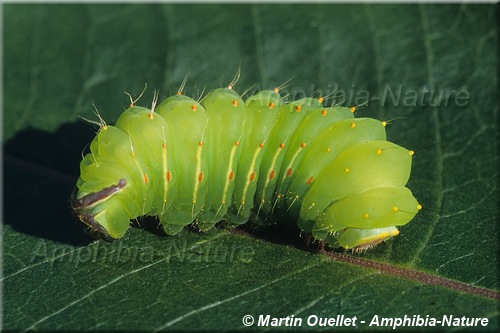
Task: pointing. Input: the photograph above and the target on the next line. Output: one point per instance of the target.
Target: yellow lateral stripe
(141, 171)
(247, 184)
(275, 157)
(164, 174)
(291, 163)
(197, 174)
(229, 170)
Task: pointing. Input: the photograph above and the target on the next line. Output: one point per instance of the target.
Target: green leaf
(430, 69)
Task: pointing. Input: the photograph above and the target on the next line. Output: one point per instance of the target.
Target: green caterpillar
(228, 159)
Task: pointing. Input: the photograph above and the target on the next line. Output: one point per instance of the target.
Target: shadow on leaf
(40, 171)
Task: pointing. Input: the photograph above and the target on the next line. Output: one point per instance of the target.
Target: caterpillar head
(105, 185)
(100, 218)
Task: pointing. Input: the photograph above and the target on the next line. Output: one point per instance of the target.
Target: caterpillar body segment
(183, 162)
(262, 110)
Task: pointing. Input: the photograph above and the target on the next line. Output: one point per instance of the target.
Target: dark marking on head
(91, 198)
(78, 206)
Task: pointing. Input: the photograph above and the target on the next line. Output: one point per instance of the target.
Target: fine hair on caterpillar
(262, 159)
